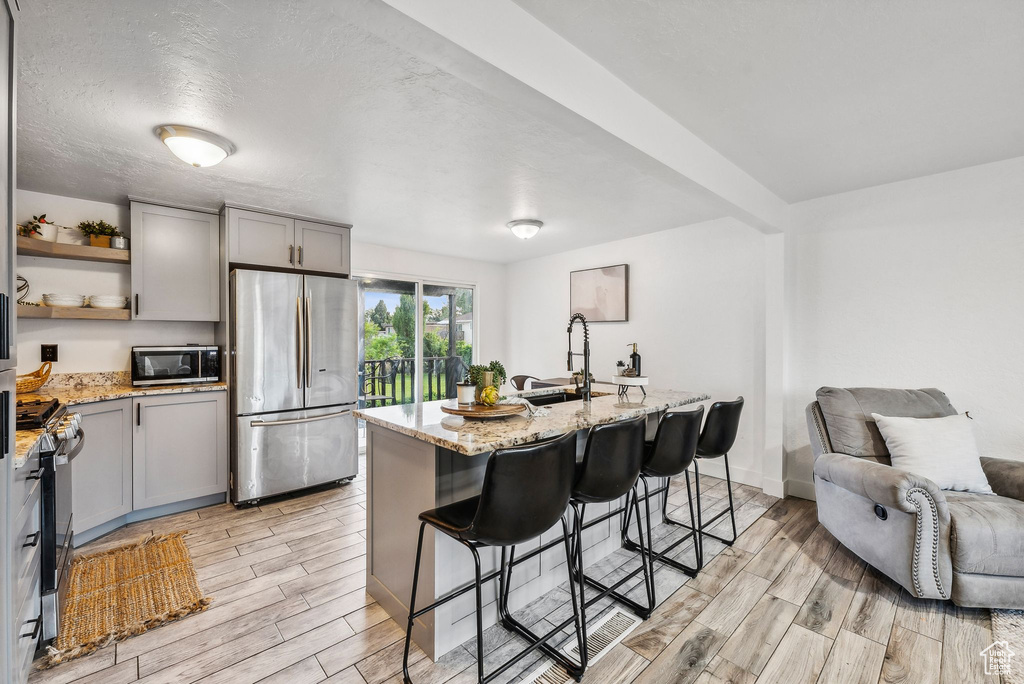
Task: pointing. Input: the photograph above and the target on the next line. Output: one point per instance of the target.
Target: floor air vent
(602, 636)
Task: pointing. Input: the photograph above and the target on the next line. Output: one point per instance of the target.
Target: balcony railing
(392, 381)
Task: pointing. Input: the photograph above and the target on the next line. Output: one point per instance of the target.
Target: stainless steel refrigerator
(294, 355)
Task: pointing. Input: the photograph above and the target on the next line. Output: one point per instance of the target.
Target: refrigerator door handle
(299, 326)
(309, 341)
(296, 421)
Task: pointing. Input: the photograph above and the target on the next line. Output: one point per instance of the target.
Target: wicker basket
(30, 382)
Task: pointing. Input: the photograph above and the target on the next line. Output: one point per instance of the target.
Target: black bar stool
(525, 492)
(670, 454)
(609, 470)
(716, 439)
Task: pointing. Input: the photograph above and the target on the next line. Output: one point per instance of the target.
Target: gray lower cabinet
(179, 447)
(102, 471)
(175, 264)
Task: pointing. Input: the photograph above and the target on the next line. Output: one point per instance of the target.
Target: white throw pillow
(941, 449)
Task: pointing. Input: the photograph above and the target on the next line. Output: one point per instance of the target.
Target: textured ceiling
(815, 98)
(330, 120)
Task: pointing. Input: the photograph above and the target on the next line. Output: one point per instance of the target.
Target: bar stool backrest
(719, 433)
(612, 461)
(525, 491)
(675, 443)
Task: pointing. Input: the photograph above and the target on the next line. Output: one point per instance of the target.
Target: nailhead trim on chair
(821, 431)
(917, 542)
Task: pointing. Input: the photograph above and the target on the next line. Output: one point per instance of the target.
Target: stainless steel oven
(175, 365)
(63, 439)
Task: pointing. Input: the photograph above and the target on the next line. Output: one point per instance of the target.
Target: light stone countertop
(425, 421)
(73, 395)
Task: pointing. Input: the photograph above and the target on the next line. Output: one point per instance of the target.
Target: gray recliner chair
(937, 544)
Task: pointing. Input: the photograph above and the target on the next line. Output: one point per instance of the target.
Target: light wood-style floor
(785, 604)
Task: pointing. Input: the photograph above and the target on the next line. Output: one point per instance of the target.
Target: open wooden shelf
(66, 312)
(57, 250)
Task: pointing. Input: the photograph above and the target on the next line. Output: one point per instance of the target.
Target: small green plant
(98, 228)
(476, 374)
(620, 363)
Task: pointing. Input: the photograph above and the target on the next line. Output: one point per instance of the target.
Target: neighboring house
(463, 328)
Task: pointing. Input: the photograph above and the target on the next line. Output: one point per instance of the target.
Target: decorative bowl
(68, 300)
(108, 301)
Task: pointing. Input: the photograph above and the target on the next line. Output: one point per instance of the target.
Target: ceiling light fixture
(194, 145)
(524, 229)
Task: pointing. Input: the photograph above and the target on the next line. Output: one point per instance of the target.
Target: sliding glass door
(416, 339)
(447, 338)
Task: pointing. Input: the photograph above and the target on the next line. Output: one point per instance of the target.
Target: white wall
(696, 308)
(489, 278)
(911, 284)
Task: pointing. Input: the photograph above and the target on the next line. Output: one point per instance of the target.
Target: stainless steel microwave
(175, 365)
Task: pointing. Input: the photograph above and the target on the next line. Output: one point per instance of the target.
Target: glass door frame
(420, 281)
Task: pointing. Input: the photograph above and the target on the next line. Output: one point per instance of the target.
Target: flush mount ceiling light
(194, 145)
(524, 229)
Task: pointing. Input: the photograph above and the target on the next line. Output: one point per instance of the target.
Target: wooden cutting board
(480, 411)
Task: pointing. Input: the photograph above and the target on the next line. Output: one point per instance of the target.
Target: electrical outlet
(48, 352)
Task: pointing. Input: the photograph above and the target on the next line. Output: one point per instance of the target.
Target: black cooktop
(34, 414)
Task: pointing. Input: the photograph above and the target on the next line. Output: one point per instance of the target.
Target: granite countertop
(426, 421)
(75, 389)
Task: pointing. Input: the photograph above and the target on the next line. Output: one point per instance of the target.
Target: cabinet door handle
(34, 634)
(300, 255)
(5, 416)
(31, 540)
(34, 474)
(291, 254)
(138, 415)
(136, 304)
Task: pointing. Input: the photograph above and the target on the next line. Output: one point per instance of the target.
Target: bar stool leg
(412, 606)
(580, 578)
(699, 541)
(479, 615)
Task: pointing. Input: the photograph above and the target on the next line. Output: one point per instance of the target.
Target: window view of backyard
(390, 321)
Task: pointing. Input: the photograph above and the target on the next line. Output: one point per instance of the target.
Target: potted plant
(99, 232)
(620, 366)
(491, 375)
(39, 228)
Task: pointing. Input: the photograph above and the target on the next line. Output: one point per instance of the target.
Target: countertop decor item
(482, 411)
(121, 592)
(30, 382)
(99, 232)
(466, 393)
(600, 294)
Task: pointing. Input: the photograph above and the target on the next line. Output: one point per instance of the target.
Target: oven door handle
(69, 456)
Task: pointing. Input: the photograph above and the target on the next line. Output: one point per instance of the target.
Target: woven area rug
(1008, 626)
(121, 592)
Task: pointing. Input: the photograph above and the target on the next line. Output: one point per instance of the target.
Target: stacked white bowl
(107, 301)
(71, 300)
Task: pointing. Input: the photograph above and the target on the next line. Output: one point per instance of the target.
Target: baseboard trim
(716, 468)
(800, 489)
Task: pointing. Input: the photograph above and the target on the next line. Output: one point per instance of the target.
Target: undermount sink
(562, 396)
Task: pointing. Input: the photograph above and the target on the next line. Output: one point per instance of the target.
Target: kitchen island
(418, 458)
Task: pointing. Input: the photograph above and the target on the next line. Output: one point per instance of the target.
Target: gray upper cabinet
(323, 247)
(175, 264)
(260, 239)
(179, 447)
(102, 470)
